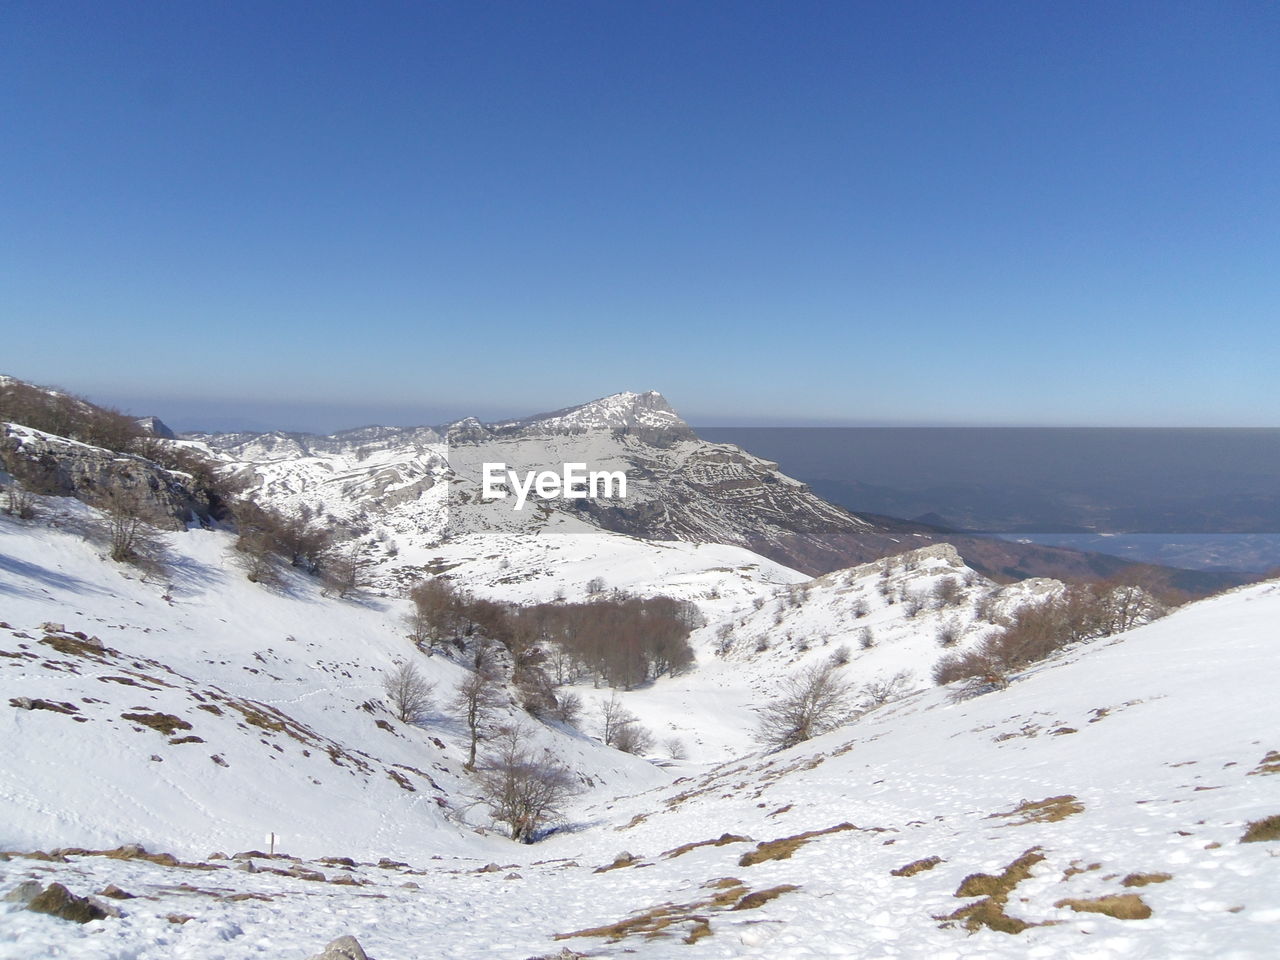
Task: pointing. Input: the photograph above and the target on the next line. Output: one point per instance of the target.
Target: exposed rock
(57, 901)
(115, 893)
(53, 465)
(24, 892)
(157, 428)
(344, 948)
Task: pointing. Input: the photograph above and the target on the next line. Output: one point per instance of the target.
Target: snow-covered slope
(885, 624)
(204, 709)
(1119, 777)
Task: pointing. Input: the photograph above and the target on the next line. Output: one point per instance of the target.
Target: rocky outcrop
(57, 901)
(344, 948)
(55, 466)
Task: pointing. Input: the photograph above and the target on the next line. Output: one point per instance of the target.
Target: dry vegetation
(1049, 810)
(1122, 906)
(994, 890)
(783, 848)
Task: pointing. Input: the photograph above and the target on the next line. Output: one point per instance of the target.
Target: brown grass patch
(722, 840)
(994, 890)
(1122, 906)
(1049, 810)
(166, 723)
(783, 848)
(1145, 879)
(621, 860)
(1270, 764)
(1075, 868)
(651, 924)
(758, 899)
(1259, 831)
(659, 921)
(916, 866)
(89, 648)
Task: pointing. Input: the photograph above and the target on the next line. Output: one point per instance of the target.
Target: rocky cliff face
(48, 464)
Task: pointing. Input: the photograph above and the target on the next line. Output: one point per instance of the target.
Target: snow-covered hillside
(1103, 795)
(418, 486)
(204, 709)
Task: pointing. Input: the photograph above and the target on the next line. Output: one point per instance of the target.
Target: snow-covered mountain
(422, 485)
(163, 725)
(1098, 802)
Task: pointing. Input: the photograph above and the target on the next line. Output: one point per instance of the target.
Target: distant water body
(1046, 483)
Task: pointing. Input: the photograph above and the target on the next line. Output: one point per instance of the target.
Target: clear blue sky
(320, 214)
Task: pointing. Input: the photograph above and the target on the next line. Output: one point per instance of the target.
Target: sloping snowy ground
(1151, 747)
(758, 633)
(206, 710)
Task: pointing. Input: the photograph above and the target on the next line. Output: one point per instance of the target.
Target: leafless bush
(675, 748)
(343, 572)
(866, 639)
(879, 692)
(130, 523)
(810, 703)
(20, 503)
(633, 737)
(525, 789)
(409, 693)
(912, 604)
(840, 655)
(949, 634)
(947, 593)
(568, 708)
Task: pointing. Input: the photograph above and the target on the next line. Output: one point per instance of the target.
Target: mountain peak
(619, 411)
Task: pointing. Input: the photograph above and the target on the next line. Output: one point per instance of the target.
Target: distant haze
(1085, 480)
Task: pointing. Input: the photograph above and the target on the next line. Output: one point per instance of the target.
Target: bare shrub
(525, 789)
(947, 593)
(810, 703)
(568, 708)
(343, 572)
(20, 503)
(949, 634)
(409, 693)
(879, 692)
(866, 639)
(130, 521)
(675, 748)
(840, 655)
(633, 737)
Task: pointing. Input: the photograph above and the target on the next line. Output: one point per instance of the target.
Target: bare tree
(21, 502)
(130, 522)
(633, 737)
(675, 748)
(811, 703)
(568, 708)
(613, 716)
(342, 571)
(477, 698)
(525, 789)
(409, 693)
